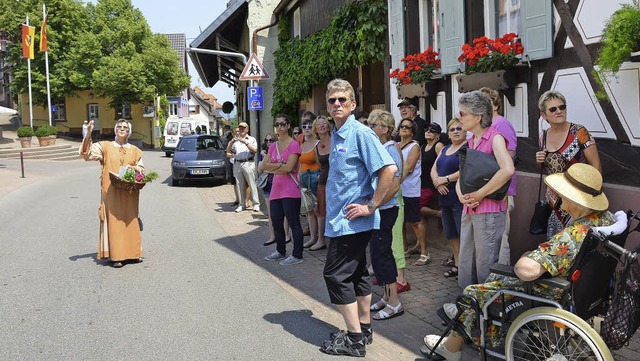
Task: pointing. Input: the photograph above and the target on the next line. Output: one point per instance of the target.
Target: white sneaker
(239, 209)
(275, 256)
(256, 208)
(431, 340)
(450, 309)
(291, 260)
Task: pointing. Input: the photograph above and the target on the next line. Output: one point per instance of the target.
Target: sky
(189, 17)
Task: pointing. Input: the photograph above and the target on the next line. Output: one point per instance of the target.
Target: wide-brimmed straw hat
(582, 184)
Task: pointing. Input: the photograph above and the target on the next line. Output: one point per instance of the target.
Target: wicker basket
(124, 185)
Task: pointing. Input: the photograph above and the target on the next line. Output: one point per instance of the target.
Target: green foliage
(25, 132)
(42, 131)
(131, 176)
(620, 37)
(356, 37)
(163, 109)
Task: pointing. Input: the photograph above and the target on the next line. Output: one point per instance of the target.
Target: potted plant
(620, 42)
(414, 79)
(25, 134)
(42, 133)
(53, 134)
(489, 62)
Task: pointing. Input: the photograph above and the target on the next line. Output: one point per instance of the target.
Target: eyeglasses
(455, 129)
(307, 126)
(404, 126)
(268, 140)
(122, 127)
(431, 130)
(280, 125)
(561, 107)
(342, 100)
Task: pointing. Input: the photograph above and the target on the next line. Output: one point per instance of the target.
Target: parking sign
(256, 100)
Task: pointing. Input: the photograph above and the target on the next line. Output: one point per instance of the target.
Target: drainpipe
(254, 47)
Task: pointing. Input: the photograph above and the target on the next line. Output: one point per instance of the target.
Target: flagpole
(46, 62)
(29, 77)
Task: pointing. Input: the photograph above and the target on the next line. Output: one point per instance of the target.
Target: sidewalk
(399, 338)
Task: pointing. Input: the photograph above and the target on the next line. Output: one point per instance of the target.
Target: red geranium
(419, 68)
(487, 55)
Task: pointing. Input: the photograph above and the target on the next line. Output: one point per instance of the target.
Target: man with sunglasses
(244, 148)
(360, 180)
(408, 110)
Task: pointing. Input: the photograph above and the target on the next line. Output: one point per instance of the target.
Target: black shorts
(345, 270)
(382, 259)
(411, 209)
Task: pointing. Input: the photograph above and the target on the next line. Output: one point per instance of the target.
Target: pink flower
(139, 177)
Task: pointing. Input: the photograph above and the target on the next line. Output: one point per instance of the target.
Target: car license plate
(199, 171)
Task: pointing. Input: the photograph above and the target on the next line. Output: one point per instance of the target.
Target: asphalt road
(195, 297)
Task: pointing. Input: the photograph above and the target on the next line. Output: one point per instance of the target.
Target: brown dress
(120, 237)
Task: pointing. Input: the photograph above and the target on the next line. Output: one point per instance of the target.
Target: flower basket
(124, 185)
(498, 80)
(421, 90)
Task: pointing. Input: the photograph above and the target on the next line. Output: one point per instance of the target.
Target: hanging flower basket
(498, 80)
(421, 90)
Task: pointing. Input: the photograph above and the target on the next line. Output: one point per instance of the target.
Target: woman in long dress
(120, 238)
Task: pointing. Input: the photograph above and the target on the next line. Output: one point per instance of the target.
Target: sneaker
(441, 350)
(256, 208)
(450, 309)
(342, 345)
(239, 209)
(291, 260)
(275, 256)
(368, 335)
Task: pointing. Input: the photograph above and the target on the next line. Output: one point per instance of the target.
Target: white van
(176, 128)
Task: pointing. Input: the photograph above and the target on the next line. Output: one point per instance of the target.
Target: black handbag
(541, 210)
(476, 170)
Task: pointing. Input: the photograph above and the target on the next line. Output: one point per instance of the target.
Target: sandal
(423, 260)
(453, 272)
(380, 305)
(449, 262)
(384, 315)
(309, 243)
(412, 250)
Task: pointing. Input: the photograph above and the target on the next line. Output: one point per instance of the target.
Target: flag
(43, 35)
(27, 41)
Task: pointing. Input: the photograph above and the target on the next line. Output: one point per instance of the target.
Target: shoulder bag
(308, 201)
(541, 210)
(476, 170)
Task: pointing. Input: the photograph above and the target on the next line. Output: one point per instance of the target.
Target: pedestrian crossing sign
(254, 70)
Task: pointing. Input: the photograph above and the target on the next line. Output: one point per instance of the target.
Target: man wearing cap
(580, 189)
(408, 110)
(244, 148)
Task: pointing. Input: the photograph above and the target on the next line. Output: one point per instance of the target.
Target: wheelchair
(561, 329)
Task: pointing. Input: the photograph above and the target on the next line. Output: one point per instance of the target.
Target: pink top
(485, 146)
(283, 186)
(505, 128)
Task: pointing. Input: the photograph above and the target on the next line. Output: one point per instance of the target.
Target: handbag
(476, 170)
(308, 200)
(541, 210)
(262, 180)
(622, 318)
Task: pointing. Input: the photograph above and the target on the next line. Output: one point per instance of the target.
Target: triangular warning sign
(254, 70)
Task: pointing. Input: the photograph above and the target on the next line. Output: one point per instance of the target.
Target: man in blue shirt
(360, 180)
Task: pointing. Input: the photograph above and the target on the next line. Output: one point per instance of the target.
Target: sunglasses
(455, 129)
(561, 107)
(431, 130)
(280, 125)
(307, 126)
(342, 100)
(404, 126)
(268, 140)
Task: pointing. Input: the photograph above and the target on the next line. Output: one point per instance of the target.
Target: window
(296, 23)
(124, 112)
(93, 111)
(506, 17)
(58, 111)
(173, 109)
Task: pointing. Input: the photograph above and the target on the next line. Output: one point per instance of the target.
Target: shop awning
(223, 34)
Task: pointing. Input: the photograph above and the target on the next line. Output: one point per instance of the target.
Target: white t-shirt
(241, 150)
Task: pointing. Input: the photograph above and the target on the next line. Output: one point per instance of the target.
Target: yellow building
(69, 115)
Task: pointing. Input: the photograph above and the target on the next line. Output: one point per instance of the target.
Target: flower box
(421, 90)
(497, 80)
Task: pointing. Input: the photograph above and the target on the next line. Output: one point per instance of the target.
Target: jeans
(290, 208)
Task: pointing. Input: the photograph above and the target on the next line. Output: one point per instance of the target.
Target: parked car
(199, 157)
(176, 128)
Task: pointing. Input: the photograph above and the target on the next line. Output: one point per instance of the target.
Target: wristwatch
(371, 204)
(448, 181)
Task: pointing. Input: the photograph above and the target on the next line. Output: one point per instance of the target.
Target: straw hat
(582, 184)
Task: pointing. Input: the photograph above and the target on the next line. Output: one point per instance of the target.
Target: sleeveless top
(445, 165)
(324, 167)
(411, 185)
(428, 158)
(308, 160)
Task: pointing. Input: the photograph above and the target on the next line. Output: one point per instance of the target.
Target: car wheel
(175, 182)
(167, 154)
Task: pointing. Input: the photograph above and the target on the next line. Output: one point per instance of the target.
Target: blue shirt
(355, 158)
(390, 146)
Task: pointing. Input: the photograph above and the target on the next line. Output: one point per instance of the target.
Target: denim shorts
(451, 220)
(309, 180)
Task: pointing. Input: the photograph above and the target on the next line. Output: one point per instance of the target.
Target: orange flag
(43, 35)
(27, 41)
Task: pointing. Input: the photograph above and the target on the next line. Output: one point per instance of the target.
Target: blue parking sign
(256, 100)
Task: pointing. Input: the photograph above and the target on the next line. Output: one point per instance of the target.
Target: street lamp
(4, 42)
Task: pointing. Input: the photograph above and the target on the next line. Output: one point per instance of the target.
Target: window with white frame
(125, 111)
(173, 109)
(506, 17)
(58, 111)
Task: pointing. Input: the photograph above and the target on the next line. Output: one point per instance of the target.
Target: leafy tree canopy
(107, 47)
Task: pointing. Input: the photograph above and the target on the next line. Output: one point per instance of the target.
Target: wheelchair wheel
(552, 334)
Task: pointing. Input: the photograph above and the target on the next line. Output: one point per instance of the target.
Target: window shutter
(536, 29)
(451, 34)
(396, 33)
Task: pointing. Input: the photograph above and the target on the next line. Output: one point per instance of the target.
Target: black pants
(382, 260)
(290, 208)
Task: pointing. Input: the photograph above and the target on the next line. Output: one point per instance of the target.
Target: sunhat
(582, 184)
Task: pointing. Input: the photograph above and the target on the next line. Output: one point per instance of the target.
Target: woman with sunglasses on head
(412, 171)
(444, 175)
(120, 238)
(309, 170)
(284, 198)
(562, 144)
(322, 130)
(429, 153)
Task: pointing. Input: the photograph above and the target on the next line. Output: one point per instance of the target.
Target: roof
(178, 43)
(225, 34)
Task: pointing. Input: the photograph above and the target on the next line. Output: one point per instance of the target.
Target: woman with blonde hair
(322, 130)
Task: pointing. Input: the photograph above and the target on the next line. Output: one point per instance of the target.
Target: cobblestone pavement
(402, 336)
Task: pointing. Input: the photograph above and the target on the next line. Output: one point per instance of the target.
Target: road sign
(254, 70)
(256, 100)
